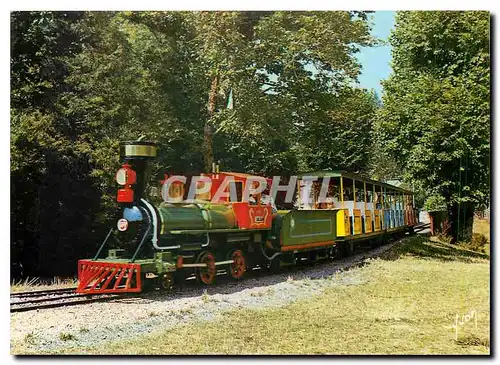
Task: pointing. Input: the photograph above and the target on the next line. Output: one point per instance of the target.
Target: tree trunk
(461, 218)
(207, 132)
(465, 221)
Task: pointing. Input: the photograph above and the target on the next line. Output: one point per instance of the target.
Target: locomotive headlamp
(125, 175)
(121, 177)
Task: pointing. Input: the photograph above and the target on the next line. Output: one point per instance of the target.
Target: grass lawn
(406, 304)
(481, 226)
(33, 284)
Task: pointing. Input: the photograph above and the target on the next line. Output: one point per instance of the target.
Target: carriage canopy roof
(350, 175)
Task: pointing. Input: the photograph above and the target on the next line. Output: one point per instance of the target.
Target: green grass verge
(407, 304)
(33, 284)
(481, 226)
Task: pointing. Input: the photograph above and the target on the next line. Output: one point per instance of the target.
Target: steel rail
(421, 227)
(48, 299)
(61, 304)
(42, 292)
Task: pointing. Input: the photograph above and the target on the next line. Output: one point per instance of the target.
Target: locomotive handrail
(208, 241)
(215, 230)
(102, 245)
(140, 244)
(154, 240)
(155, 223)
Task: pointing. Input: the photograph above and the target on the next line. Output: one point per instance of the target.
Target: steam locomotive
(224, 228)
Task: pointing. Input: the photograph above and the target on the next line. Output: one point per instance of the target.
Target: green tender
(308, 226)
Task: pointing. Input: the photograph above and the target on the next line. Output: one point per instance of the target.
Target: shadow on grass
(473, 340)
(422, 247)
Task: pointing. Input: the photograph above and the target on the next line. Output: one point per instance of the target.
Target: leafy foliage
(84, 81)
(435, 119)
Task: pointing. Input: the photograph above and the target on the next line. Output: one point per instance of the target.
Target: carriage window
(326, 193)
(334, 192)
(348, 194)
(359, 195)
(377, 199)
(369, 193)
(385, 200)
(360, 191)
(390, 200)
(334, 189)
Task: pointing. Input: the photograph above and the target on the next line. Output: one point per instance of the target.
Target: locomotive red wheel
(239, 266)
(206, 275)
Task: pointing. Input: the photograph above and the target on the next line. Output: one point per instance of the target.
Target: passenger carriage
(355, 209)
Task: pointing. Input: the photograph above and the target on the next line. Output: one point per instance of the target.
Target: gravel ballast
(53, 330)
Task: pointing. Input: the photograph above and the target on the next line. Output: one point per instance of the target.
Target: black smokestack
(137, 154)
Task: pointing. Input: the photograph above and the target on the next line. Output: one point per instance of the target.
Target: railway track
(41, 292)
(53, 298)
(44, 299)
(421, 227)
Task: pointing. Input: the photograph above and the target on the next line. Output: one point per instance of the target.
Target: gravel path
(92, 324)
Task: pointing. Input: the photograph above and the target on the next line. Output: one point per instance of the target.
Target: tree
(435, 118)
(265, 59)
(52, 199)
(341, 137)
(39, 42)
(82, 82)
(281, 67)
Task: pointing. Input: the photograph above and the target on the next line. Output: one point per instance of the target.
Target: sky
(375, 61)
